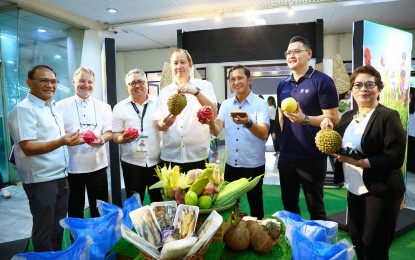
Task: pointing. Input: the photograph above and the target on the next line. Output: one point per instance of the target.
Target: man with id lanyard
(138, 162)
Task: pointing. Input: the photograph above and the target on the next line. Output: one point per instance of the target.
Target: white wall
(91, 58)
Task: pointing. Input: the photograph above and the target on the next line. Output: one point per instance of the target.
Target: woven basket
(196, 256)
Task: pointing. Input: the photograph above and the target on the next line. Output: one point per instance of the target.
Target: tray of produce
(204, 188)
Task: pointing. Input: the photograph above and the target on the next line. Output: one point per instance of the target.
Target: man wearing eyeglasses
(139, 156)
(300, 162)
(87, 162)
(41, 157)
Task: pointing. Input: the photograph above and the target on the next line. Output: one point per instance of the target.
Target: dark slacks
(96, 185)
(185, 167)
(256, 203)
(48, 203)
(275, 128)
(371, 222)
(410, 162)
(137, 178)
(309, 174)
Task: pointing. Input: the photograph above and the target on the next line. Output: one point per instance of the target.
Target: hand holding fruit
(88, 136)
(130, 134)
(292, 110)
(188, 89)
(205, 114)
(72, 139)
(326, 124)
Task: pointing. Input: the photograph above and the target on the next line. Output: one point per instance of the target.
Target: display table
(216, 250)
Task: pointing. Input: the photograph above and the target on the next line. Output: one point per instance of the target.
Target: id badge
(142, 145)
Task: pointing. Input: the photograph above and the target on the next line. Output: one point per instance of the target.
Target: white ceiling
(148, 24)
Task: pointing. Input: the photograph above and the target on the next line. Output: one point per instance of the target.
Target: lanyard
(138, 114)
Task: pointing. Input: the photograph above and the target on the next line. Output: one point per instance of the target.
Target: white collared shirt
(86, 114)
(243, 148)
(34, 119)
(353, 175)
(187, 140)
(125, 116)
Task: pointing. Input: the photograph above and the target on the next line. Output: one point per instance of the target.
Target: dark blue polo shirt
(314, 91)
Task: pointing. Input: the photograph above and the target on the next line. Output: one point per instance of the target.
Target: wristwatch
(248, 125)
(197, 91)
(306, 120)
(102, 142)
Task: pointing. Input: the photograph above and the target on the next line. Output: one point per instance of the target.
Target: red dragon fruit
(204, 114)
(131, 132)
(88, 136)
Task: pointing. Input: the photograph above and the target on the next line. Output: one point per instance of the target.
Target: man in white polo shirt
(41, 157)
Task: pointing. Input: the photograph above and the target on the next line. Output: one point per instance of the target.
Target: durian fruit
(176, 103)
(328, 141)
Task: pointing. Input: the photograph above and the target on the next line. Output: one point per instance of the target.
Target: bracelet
(102, 141)
(359, 163)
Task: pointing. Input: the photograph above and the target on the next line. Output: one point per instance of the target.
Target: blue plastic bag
(305, 248)
(101, 230)
(78, 250)
(318, 230)
(130, 204)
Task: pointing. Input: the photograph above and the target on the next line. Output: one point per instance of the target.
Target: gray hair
(135, 71)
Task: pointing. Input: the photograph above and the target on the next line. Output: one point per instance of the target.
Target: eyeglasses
(296, 52)
(88, 126)
(368, 85)
(137, 82)
(44, 81)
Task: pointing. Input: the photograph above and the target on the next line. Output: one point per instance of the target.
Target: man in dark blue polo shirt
(300, 162)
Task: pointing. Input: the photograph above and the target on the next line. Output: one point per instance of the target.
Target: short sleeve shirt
(314, 91)
(124, 116)
(35, 119)
(187, 140)
(242, 147)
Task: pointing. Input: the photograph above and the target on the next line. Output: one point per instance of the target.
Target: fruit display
(88, 136)
(254, 234)
(204, 188)
(178, 241)
(289, 105)
(176, 103)
(205, 114)
(328, 141)
(131, 132)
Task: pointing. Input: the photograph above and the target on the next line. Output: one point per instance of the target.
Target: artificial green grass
(403, 246)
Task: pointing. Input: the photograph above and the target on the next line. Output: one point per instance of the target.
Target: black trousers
(185, 167)
(273, 129)
(96, 185)
(371, 222)
(256, 203)
(309, 174)
(410, 162)
(48, 203)
(137, 178)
